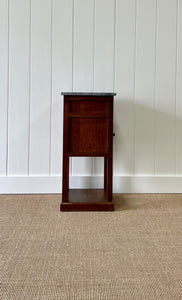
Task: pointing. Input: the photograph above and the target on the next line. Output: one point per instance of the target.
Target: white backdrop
(131, 47)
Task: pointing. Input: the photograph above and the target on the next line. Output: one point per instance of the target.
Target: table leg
(65, 180)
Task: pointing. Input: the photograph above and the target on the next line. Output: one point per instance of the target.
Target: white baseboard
(121, 184)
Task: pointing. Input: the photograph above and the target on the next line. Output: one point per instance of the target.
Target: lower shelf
(87, 200)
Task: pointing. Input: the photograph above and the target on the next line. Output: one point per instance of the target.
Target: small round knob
(113, 134)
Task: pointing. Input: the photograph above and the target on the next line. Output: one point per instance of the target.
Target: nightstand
(88, 131)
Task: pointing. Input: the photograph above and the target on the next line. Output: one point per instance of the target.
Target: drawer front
(88, 106)
(88, 135)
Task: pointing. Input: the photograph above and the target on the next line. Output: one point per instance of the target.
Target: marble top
(87, 94)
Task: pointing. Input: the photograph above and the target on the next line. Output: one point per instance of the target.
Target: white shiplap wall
(132, 47)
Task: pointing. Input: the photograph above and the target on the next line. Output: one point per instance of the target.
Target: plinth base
(87, 200)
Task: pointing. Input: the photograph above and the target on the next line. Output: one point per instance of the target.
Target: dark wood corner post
(65, 172)
(88, 131)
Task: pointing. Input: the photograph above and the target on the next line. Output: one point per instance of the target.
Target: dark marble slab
(87, 94)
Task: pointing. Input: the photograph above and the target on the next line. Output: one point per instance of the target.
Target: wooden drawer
(88, 106)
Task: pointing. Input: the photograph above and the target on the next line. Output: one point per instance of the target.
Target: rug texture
(134, 252)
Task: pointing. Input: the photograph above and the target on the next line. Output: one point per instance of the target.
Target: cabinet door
(88, 135)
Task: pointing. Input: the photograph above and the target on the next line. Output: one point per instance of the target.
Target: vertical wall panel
(179, 93)
(104, 45)
(145, 87)
(19, 87)
(4, 7)
(124, 86)
(103, 55)
(165, 87)
(61, 75)
(83, 46)
(83, 64)
(40, 87)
